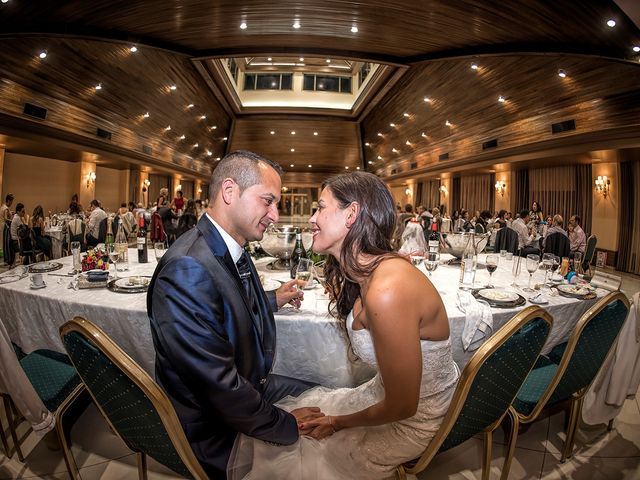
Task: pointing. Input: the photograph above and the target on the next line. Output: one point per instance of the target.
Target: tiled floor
(599, 454)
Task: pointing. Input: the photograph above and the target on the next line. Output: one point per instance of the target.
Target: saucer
(37, 287)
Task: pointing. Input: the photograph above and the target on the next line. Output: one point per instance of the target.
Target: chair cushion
(52, 379)
(535, 385)
(556, 353)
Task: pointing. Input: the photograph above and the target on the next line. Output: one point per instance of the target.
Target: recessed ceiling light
(357, 168)
(182, 137)
(301, 59)
(379, 157)
(474, 66)
(636, 48)
(447, 123)
(562, 73)
(213, 127)
(98, 86)
(291, 165)
(309, 166)
(167, 128)
(328, 60)
(315, 134)
(423, 135)
(379, 134)
(293, 149)
(366, 144)
(501, 99)
(392, 125)
(217, 159)
(243, 26)
(43, 54)
(427, 99)
(394, 150)
(407, 142)
(209, 153)
(195, 145)
(371, 163)
(269, 59)
(611, 23)
(5, 1)
(224, 139)
(346, 167)
(146, 115)
(172, 87)
(405, 114)
(203, 117)
(293, 133)
(133, 49)
(272, 132)
(296, 25)
(354, 29)
(190, 105)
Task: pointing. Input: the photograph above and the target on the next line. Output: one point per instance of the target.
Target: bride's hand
(320, 427)
(304, 415)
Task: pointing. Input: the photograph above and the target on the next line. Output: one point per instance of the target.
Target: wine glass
(417, 258)
(515, 269)
(432, 260)
(114, 256)
(159, 249)
(492, 265)
(533, 262)
(547, 264)
(303, 272)
(555, 265)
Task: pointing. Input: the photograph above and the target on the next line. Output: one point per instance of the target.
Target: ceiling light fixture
(43, 54)
(366, 144)
(243, 26)
(293, 149)
(423, 135)
(272, 132)
(301, 59)
(98, 86)
(296, 25)
(172, 87)
(408, 143)
(370, 162)
(346, 167)
(405, 114)
(357, 168)
(562, 73)
(182, 137)
(190, 105)
(217, 159)
(293, 133)
(392, 125)
(209, 153)
(474, 66)
(328, 60)
(427, 99)
(291, 165)
(309, 166)
(203, 117)
(611, 23)
(195, 145)
(501, 99)
(354, 29)
(213, 127)
(379, 134)
(167, 128)
(225, 139)
(269, 59)
(315, 134)
(394, 150)
(636, 49)
(133, 49)
(447, 123)
(146, 115)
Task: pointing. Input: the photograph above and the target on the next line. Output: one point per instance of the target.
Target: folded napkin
(478, 323)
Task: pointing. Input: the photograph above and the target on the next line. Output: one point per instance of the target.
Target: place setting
(13, 275)
(44, 267)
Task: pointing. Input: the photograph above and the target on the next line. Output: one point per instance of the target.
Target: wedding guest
(93, 225)
(19, 221)
(43, 242)
(76, 202)
(6, 215)
(501, 221)
(526, 235)
(163, 197)
(556, 227)
(188, 219)
(396, 322)
(535, 214)
(577, 237)
(178, 202)
(199, 208)
(212, 323)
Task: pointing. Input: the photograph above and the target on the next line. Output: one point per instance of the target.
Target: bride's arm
(393, 318)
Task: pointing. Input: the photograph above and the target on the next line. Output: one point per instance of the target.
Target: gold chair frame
(148, 386)
(458, 400)
(577, 399)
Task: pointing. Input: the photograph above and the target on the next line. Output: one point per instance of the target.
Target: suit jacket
(212, 354)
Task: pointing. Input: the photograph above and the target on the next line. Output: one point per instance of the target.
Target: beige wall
(38, 180)
(604, 218)
(504, 201)
(112, 187)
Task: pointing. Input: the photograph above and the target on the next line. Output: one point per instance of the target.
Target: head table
(311, 344)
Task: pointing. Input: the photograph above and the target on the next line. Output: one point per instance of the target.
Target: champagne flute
(515, 269)
(432, 261)
(492, 265)
(533, 262)
(547, 264)
(114, 256)
(303, 272)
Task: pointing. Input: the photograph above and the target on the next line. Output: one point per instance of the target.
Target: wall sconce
(178, 187)
(407, 192)
(145, 184)
(91, 179)
(443, 190)
(602, 185)
(500, 187)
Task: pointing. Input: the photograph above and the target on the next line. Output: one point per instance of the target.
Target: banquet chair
(589, 252)
(487, 386)
(134, 406)
(565, 375)
(57, 384)
(558, 244)
(507, 239)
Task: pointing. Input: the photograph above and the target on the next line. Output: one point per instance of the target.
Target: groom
(212, 323)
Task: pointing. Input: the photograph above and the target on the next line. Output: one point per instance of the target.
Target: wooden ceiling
(519, 46)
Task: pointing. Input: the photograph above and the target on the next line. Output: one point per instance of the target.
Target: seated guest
(482, 220)
(167, 215)
(501, 221)
(93, 226)
(43, 242)
(76, 227)
(188, 219)
(127, 218)
(526, 235)
(5, 214)
(577, 237)
(556, 227)
(536, 215)
(467, 224)
(20, 221)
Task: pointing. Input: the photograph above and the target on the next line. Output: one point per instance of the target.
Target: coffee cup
(509, 256)
(503, 253)
(37, 280)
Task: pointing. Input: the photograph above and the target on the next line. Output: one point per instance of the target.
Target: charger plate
(133, 284)
(511, 300)
(43, 267)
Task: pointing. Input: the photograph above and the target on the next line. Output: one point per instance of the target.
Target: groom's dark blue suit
(213, 355)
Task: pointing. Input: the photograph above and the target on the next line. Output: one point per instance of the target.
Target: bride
(396, 322)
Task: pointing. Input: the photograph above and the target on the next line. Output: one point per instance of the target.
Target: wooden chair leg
(141, 460)
(486, 458)
(512, 438)
(8, 410)
(574, 417)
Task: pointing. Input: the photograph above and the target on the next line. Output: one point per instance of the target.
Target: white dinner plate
(539, 300)
(132, 282)
(498, 295)
(575, 290)
(270, 284)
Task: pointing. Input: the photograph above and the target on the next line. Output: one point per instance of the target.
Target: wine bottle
(434, 239)
(122, 246)
(298, 253)
(108, 240)
(142, 242)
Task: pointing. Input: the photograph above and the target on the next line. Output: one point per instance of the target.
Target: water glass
(547, 264)
(159, 249)
(503, 253)
(416, 259)
(515, 269)
(533, 262)
(432, 260)
(77, 259)
(114, 256)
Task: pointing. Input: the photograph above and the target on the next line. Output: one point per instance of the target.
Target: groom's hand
(306, 414)
(289, 293)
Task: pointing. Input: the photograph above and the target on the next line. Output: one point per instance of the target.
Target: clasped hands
(289, 293)
(313, 423)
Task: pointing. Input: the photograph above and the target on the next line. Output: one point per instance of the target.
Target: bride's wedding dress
(354, 453)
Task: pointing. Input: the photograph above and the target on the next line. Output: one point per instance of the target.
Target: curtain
(628, 259)
(187, 189)
(455, 194)
(476, 192)
(584, 195)
(521, 191)
(419, 194)
(134, 182)
(428, 194)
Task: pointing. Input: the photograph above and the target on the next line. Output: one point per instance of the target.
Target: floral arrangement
(95, 259)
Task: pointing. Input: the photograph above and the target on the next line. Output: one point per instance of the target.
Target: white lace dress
(354, 453)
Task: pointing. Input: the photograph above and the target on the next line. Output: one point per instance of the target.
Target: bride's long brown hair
(369, 234)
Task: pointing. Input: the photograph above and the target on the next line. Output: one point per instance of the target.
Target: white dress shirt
(235, 249)
(524, 239)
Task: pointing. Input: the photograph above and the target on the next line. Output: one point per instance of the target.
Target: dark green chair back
(497, 378)
(130, 400)
(589, 252)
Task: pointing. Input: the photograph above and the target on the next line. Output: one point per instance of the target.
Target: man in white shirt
(577, 237)
(526, 239)
(93, 226)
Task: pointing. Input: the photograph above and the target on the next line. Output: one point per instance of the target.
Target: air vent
(444, 156)
(413, 165)
(490, 144)
(146, 149)
(394, 171)
(103, 134)
(565, 126)
(35, 111)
